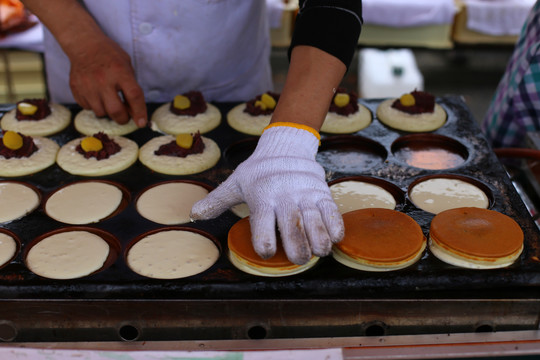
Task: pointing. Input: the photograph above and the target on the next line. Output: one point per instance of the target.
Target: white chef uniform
(218, 47)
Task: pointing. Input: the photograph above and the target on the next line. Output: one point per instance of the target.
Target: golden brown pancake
(243, 255)
(378, 239)
(475, 238)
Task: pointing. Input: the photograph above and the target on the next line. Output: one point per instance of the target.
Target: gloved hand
(281, 181)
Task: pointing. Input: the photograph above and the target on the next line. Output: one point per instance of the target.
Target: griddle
(330, 299)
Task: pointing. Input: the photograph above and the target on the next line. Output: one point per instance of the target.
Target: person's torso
(218, 47)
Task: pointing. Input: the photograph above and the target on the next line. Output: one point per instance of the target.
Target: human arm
(281, 182)
(100, 69)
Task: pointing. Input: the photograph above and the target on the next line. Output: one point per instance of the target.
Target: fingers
(316, 231)
(263, 232)
(107, 86)
(217, 201)
(293, 234)
(332, 219)
(136, 105)
(114, 107)
(310, 229)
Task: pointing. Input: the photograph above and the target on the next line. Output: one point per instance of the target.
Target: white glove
(281, 181)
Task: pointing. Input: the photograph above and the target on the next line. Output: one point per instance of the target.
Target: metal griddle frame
(224, 304)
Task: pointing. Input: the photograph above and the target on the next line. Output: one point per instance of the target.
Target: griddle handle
(523, 153)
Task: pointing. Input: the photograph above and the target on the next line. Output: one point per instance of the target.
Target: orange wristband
(297, 126)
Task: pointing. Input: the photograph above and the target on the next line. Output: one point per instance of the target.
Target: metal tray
(327, 300)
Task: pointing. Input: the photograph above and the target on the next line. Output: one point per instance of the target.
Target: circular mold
(172, 261)
(449, 191)
(239, 151)
(360, 192)
(114, 250)
(10, 246)
(68, 200)
(350, 153)
(17, 199)
(430, 151)
(170, 202)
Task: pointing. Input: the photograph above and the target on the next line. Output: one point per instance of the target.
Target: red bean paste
(424, 103)
(348, 109)
(172, 148)
(110, 147)
(198, 104)
(255, 110)
(26, 150)
(43, 109)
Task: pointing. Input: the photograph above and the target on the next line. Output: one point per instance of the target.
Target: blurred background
(457, 47)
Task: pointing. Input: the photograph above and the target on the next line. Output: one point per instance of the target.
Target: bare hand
(101, 74)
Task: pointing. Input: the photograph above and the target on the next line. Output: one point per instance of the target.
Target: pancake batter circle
(68, 255)
(16, 200)
(174, 165)
(170, 203)
(83, 202)
(8, 248)
(44, 157)
(353, 195)
(87, 123)
(401, 120)
(58, 120)
(70, 160)
(173, 124)
(172, 254)
(246, 123)
(438, 194)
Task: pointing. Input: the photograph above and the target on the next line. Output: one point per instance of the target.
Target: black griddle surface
(328, 279)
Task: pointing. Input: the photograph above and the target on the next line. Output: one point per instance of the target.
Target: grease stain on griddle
(430, 151)
(350, 154)
(239, 151)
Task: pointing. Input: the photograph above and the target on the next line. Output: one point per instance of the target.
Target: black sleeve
(330, 25)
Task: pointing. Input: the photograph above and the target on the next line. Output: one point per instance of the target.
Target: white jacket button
(145, 28)
(153, 95)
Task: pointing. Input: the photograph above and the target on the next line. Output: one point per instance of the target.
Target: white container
(387, 73)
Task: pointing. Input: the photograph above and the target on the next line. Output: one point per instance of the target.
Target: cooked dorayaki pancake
(475, 238)
(56, 121)
(87, 123)
(379, 240)
(345, 124)
(44, 157)
(254, 115)
(173, 124)
(70, 160)
(243, 256)
(401, 120)
(246, 123)
(174, 165)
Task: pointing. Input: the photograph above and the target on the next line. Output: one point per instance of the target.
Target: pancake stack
(243, 256)
(475, 238)
(379, 239)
